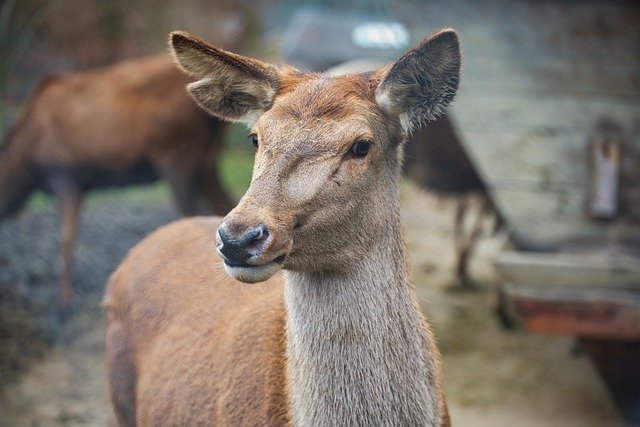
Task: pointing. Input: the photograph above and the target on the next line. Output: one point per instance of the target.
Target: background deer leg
(212, 191)
(461, 245)
(69, 202)
(182, 180)
(466, 243)
(472, 240)
(185, 195)
(195, 185)
(182, 175)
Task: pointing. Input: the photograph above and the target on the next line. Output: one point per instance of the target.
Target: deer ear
(230, 86)
(419, 85)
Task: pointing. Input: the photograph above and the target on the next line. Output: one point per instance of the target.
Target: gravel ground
(493, 377)
(29, 269)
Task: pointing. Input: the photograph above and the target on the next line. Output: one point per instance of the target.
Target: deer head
(328, 150)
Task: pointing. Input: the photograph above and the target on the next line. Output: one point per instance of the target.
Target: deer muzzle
(250, 253)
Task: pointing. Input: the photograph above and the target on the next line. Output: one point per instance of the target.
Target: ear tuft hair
(231, 86)
(421, 83)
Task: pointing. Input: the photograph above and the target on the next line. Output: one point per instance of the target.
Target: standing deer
(340, 339)
(124, 124)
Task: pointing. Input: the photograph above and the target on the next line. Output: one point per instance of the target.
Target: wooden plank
(584, 313)
(506, 112)
(533, 156)
(545, 269)
(552, 76)
(548, 220)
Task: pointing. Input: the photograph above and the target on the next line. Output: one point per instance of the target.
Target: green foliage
(236, 162)
(235, 166)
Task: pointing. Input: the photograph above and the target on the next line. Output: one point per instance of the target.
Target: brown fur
(342, 340)
(146, 325)
(102, 127)
(163, 330)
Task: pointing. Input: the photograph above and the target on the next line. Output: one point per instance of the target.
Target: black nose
(237, 249)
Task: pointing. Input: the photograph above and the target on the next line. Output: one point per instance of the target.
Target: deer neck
(357, 345)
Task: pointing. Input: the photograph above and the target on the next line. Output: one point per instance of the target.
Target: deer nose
(238, 248)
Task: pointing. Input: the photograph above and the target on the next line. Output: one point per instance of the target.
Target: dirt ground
(493, 376)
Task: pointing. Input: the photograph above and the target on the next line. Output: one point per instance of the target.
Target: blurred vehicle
(125, 124)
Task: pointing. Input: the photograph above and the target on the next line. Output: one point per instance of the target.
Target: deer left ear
(419, 85)
(229, 86)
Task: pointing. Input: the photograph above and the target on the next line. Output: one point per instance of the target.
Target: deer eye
(254, 140)
(360, 148)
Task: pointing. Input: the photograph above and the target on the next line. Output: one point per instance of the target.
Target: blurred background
(521, 203)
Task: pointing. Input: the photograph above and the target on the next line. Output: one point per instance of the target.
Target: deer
(123, 124)
(297, 307)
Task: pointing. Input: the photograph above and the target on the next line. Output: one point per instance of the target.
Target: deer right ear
(419, 85)
(230, 86)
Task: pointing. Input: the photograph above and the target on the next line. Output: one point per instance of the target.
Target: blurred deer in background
(437, 161)
(125, 124)
(341, 340)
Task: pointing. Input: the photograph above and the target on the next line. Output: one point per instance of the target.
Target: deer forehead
(301, 160)
(321, 114)
(305, 134)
